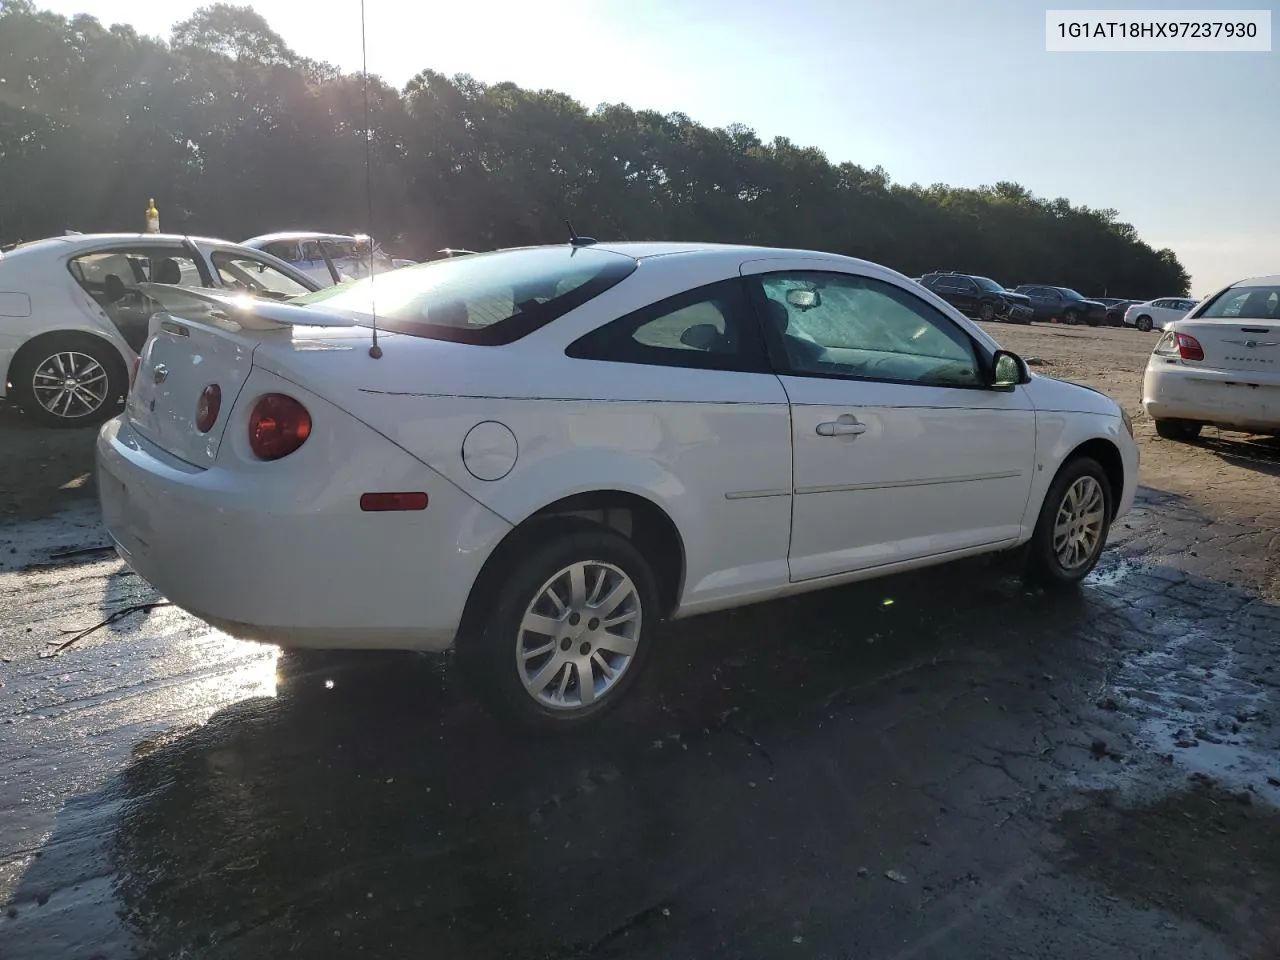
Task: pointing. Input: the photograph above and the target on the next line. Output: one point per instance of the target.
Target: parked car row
(979, 297)
(985, 299)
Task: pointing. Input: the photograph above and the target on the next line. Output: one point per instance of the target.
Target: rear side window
(487, 298)
(130, 284)
(1245, 303)
(708, 328)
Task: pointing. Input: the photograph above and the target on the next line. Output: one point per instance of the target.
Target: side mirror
(1008, 370)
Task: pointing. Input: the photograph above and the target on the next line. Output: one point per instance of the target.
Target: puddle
(1111, 575)
(1193, 704)
(56, 540)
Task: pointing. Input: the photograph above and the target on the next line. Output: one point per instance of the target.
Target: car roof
(300, 235)
(74, 241)
(711, 252)
(1272, 281)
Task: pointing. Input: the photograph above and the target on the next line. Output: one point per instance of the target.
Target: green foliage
(235, 134)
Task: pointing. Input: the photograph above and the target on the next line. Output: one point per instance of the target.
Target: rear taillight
(278, 426)
(1189, 347)
(207, 408)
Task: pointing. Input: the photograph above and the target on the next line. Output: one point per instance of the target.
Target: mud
(972, 770)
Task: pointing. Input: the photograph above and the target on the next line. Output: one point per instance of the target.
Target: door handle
(841, 428)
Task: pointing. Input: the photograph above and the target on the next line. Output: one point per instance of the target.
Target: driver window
(120, 282)
(841, 325)
(256, 277)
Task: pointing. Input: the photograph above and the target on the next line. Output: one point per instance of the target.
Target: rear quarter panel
(710, 448)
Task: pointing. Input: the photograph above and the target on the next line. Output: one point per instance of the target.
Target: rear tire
(1071, 531)
(1071, 318)
(1184, 430)
(69, 380)
(986, 312)
(1143, 324)
(556, 626)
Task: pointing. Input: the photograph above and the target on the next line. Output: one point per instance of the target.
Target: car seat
(168, 271)
(801, 351)
(113, 288)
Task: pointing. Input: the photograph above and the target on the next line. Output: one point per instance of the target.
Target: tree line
(235, 134)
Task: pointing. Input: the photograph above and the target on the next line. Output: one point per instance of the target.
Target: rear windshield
(1245, 303)
(487, 298)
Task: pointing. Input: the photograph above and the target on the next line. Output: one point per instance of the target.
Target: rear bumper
(292, 559)
(1234, 399)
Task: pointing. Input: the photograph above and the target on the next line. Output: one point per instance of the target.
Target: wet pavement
(943, 764)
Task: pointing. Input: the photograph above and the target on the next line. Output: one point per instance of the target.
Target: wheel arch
(33, 345)
(1108, 456)
(642, 521)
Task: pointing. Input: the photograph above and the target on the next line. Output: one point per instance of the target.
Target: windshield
(986, 283)
(485, 298)
(1245, 303)
(1071, 294)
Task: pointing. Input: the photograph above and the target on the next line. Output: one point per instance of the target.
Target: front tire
(1071, 318)
(1184, 430)
(986, 312)
(1073, 525)
(570, 631)
(69, 380)
(1143, 324)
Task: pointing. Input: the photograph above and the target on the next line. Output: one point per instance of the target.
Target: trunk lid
(1251, 346)
(207, 339)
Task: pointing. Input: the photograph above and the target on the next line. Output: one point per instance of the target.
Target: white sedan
(75, 309)
(1157, 314)
(549, 451)
(1220, 366)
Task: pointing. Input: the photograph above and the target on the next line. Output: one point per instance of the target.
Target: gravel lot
(974, 770)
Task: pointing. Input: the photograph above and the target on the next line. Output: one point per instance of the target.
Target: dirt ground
(974, 769)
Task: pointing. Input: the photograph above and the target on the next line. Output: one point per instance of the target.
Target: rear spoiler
(245, 311)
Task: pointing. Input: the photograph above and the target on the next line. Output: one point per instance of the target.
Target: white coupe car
(551, 450)
(74, 311)
(1220, 365)
(1157, 314)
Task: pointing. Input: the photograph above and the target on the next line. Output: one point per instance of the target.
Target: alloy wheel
(1077, 530)
(70, 385)
(579, 635)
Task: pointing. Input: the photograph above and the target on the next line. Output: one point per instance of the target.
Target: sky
(1186, 146)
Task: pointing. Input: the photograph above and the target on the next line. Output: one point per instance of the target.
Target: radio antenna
(375, 351)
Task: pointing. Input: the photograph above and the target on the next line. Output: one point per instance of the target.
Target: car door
(1036, 296)
(947, 288)
(967, 297)
(122, 282)
(1051, 302)
(685, 382)
(899, 450)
